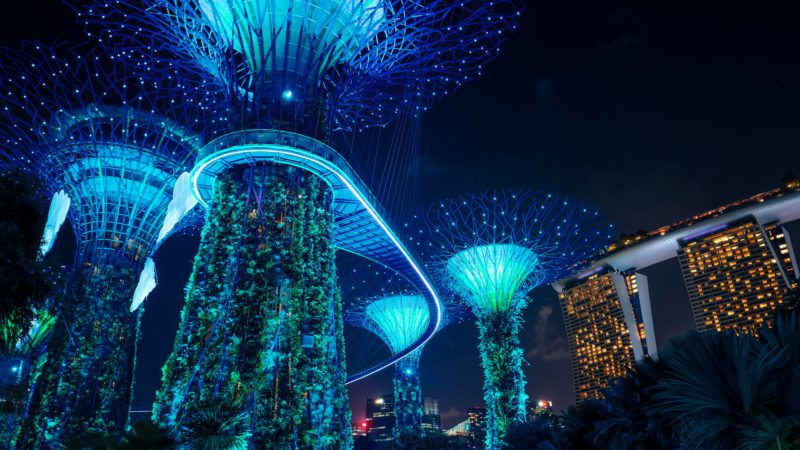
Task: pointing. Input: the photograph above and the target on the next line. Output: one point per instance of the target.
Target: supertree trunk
(83, 381)
(408, 397)
(259, 326)
(504, 382)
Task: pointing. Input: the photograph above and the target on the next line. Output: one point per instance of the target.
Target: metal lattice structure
(314, 67)
(385, 303)
(286, 75)
(490, 250)
(111, 134)
(359, 62)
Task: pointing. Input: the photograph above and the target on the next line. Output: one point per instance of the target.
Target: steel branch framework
(360, 61)
(112, 133)
(490, 250)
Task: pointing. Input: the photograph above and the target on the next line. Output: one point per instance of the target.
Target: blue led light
(287, 95)
(347, 192)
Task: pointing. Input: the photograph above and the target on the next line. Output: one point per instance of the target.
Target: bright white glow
(490, 277)
(379, 401)
(59, 206)
(182, 202)
(317, 163)
(147, 282)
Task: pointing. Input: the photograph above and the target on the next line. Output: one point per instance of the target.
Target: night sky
(653, 112)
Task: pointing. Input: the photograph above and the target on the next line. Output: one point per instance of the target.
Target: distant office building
(539, 409)
(460, 430)
(607, 316)
(737, 273)
(380, 418)
(431, 421)
(476, 418)
(360, 430)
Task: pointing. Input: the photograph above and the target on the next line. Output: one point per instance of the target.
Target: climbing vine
(504, 381)
(408, 396)
(83, 381)
(261, 327)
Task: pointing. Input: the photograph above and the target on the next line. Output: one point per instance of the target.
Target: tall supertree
(491, 250)
(107, 133)
(289, 74)
(379, 300)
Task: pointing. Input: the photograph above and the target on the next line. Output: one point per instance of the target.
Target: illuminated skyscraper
(605, 328)
(476, 426)
(738, 266)
(381, 418)
(431, 421)
(737, 274)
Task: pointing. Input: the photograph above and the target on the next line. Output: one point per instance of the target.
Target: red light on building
(364, 425)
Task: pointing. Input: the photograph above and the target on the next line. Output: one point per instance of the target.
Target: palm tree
(735, 391)
(221, 426)
(578, 421)
(148, 436)
(538, 434)
(629, 421)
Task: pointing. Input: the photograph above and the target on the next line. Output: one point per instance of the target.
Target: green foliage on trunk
(504, 381)
(84, 379)
(408, 406)
(263, 282)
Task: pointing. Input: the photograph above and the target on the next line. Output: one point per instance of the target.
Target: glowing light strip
(270, 150)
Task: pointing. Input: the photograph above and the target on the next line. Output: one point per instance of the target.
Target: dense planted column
(89, 128)
(84, 379)
(259, 329)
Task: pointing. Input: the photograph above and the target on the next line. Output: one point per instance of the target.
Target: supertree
(289, 74)
(491, 250)
(383, 302)
(107, 133)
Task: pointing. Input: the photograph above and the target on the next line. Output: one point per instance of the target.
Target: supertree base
(82, 381)
(261, 327)
(408, 397)
(504, 382)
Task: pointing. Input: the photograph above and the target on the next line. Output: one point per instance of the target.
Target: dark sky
(653, 111)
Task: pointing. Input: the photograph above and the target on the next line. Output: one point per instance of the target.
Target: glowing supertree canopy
(491, 250)
(490, 276)
(287, 74)
(294, 43)
(349, 63)
(105, 132)
(401, 319)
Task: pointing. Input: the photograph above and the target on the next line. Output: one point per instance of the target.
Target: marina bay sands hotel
(738, 266)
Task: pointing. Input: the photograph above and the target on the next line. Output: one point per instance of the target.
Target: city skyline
(677, 174)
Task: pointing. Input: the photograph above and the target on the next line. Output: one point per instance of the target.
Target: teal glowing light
(287, 94)
(298, 39)
(401, 320)
(491, 277)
